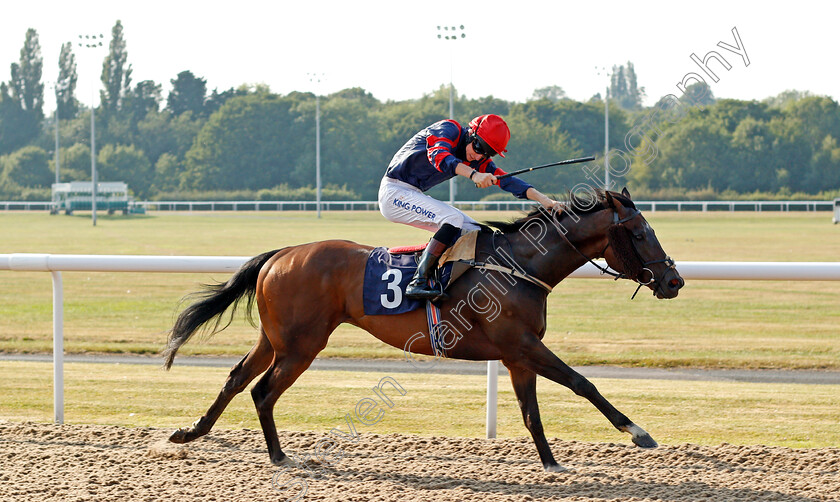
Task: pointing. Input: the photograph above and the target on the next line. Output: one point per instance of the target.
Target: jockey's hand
(484, 180)
(556, 206)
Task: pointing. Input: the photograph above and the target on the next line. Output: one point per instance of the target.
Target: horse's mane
(580, 204)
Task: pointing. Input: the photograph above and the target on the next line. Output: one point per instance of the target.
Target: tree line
(251, 143)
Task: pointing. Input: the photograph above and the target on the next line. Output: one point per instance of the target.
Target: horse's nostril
(676, 282)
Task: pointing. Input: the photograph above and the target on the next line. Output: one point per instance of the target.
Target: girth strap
(507, 270)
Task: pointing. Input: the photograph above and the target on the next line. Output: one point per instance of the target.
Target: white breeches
(402, 203)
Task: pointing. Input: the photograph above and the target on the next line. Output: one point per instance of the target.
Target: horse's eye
(639, 237)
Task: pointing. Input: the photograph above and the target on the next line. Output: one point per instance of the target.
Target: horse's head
(633, 249)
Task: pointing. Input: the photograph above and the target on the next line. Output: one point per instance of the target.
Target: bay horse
(304, 292)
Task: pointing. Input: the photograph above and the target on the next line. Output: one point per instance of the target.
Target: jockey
(435, 154)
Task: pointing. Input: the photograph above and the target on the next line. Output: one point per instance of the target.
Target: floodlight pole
(93, 159)
(57, 161)
(602, 70)
(607, 141)
(59, 87)
(92, 42)
(316, 79)
(451, 33)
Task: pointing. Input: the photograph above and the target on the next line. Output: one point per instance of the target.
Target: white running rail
(57, 263)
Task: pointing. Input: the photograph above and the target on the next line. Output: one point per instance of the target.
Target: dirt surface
(87, 462)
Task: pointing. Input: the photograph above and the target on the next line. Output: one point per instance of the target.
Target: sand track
(87, 462)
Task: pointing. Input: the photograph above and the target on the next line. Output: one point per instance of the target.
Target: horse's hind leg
(282, 374)
(525, 386)
(535, 356)
(254, 363)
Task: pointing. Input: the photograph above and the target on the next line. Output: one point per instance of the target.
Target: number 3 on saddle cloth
(387, 274)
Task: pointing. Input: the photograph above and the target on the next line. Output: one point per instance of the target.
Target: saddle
(461, 254)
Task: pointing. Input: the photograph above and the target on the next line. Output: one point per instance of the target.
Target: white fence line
(12, 205)
(473, 205)
(56, 263)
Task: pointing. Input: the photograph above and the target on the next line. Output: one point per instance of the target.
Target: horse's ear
(610, 201)
(625, 193)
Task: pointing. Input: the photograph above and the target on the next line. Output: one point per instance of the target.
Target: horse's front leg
(536, 357)
(525, 386)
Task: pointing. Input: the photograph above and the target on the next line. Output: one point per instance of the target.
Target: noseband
(622, 275)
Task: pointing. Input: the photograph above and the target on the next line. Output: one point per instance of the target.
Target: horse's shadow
(564, 484)
(595, 482)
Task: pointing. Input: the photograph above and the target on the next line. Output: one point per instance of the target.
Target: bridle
(621, 275)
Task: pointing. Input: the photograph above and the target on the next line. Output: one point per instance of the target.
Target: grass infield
(727, 324)
(708, 413)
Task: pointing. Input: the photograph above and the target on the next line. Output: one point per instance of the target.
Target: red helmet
(492, 131)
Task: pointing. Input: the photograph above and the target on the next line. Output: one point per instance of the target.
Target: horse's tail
(213, 302)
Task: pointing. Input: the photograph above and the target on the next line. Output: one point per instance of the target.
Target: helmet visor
(482, 148)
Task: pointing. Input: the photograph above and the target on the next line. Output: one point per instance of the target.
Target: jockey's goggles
(482, 148)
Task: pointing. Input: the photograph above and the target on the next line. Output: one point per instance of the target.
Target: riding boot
(418, 288)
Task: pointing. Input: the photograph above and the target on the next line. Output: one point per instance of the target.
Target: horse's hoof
(639, 437)
(183, 435)
(555, 468)
(284, 461)
(645, 441)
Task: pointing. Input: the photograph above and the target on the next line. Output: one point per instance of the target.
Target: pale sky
(390, 48)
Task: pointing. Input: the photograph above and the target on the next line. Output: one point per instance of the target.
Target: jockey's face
(472, 156)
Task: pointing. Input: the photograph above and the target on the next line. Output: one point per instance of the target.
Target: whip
(561, 163)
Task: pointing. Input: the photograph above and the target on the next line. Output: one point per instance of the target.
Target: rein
(619, 275)
(520, 273)
(604, 270)
(510, 271)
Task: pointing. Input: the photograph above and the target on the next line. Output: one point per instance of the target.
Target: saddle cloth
(387, 274)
